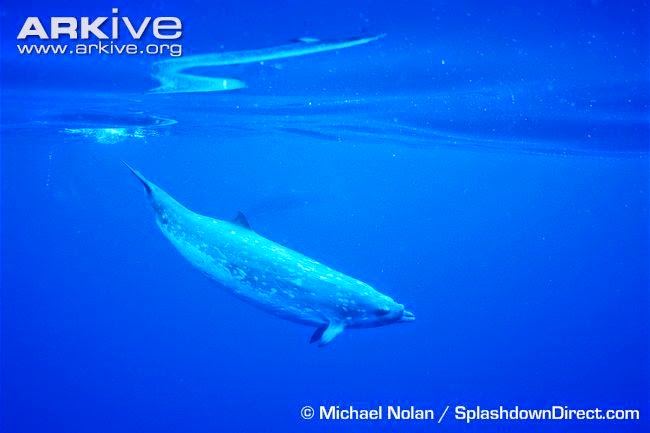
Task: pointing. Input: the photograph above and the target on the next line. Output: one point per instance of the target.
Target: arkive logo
(103, 28)
(108, 35)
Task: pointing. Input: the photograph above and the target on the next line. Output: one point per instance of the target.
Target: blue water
(485, 165)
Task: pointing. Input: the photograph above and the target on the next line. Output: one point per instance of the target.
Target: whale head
(371, 312)
(383, 313)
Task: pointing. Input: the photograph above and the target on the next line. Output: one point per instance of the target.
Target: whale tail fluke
(162, 202)
(141, 178)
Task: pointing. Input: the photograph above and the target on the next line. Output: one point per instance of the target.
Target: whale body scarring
(271, 277)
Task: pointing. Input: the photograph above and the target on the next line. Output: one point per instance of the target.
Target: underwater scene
(341, 216)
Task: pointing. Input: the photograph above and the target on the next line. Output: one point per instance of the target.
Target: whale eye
(382, 311)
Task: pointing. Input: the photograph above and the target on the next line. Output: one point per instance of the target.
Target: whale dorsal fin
(241, 220)
(325, 334)
(306, 40)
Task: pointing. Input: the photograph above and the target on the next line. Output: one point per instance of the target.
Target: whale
(178, 74)
(270, 276)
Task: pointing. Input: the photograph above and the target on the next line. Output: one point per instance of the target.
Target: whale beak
(407, 316)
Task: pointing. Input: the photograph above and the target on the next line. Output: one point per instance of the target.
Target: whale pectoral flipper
(318, 333)
(326, 334)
